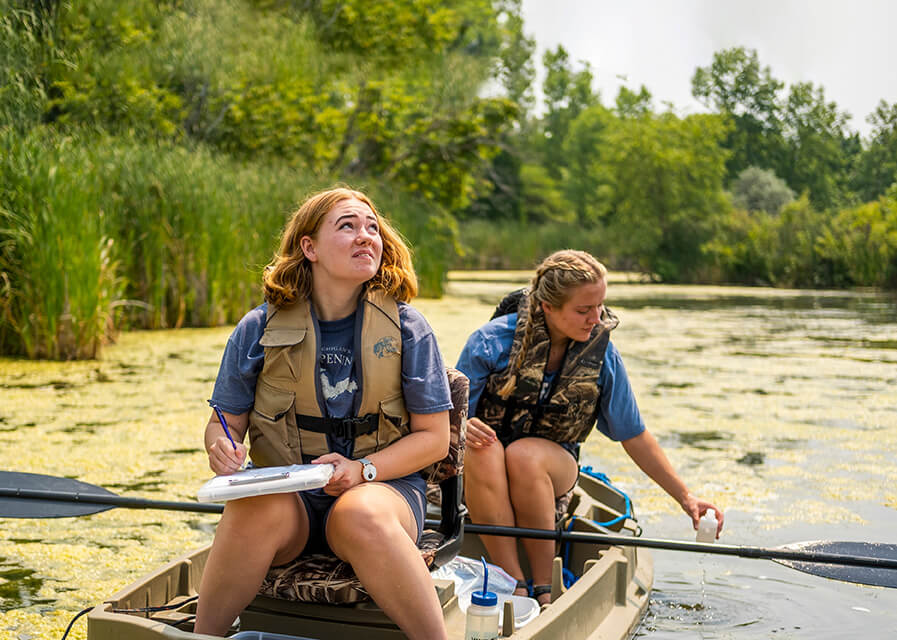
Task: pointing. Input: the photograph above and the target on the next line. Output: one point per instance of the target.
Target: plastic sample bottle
(707, 527)
(482, 614)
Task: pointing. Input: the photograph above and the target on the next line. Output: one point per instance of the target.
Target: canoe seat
(327, 579)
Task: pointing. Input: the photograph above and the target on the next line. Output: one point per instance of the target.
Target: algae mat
(777, 404)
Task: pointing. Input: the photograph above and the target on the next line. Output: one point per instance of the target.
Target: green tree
(630, 104)
(861, 244)
(667, 175)
(587, 180)
(403, 30)
(816, 141)
(515, 60)
(567, 94)
(876, 166)
(736, 85)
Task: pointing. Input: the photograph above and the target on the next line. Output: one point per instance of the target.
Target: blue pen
(224, 425)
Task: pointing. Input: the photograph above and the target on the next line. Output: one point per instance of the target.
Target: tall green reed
(513, 245)
(57, 262)
(199, 228)
(23, 55)
(100, 233)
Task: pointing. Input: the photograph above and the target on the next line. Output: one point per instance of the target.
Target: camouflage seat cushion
(326, 578)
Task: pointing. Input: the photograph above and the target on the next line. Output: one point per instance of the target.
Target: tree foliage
(876, 167)
(667, 175)
(146, 137)
(738, 86)
(758, 189)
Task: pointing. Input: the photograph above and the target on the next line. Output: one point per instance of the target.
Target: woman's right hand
(223, 458)
(479, 434)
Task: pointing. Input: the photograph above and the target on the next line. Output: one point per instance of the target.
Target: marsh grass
(100, 233)
(512, 245)
(57, 263)
(22, 54)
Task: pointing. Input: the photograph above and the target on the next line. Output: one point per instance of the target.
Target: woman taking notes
(540, 378)
(334, 368)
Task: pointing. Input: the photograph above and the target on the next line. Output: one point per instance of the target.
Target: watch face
(369, 472)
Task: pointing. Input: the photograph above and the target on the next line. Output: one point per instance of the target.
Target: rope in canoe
(569, 576)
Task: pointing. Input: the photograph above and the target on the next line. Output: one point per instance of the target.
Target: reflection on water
(778, 405)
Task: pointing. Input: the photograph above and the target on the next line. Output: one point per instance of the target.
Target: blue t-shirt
(424, 383)
(488, 351)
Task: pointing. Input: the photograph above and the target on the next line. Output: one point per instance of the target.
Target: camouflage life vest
(288, 421)
(571, 409)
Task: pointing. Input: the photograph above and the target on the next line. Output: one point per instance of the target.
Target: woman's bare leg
(372, 528)
(253, 534)
(489, 502)
(539, 470)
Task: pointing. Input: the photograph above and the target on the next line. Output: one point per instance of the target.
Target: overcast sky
(847, 46)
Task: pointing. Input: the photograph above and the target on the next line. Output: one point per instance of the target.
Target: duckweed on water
(133, 422)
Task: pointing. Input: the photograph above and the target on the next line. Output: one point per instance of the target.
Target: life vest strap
(512, 404)
(349, 428)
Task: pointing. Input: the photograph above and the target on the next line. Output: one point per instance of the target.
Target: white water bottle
(707, 527)
(482, 614)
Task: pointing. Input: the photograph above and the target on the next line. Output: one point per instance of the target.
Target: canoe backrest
(453, 464)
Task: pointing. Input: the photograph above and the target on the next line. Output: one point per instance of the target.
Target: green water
(778, 405)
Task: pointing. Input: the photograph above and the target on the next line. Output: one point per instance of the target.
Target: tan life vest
(570, 412)
(288, 419)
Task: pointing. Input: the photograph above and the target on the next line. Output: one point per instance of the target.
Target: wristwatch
(368, 470)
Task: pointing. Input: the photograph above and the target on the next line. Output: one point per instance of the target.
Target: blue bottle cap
(483, 598)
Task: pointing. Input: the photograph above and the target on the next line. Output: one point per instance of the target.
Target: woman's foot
(542, 593)
(522, 588)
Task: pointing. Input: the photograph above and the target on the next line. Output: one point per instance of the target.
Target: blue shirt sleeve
(618, 417)
(424, 382)
(241, 364)
(487, 351)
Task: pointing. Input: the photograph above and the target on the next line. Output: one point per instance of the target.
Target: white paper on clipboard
(258, 481)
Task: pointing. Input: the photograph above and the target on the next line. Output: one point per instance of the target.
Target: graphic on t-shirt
(547, 386)
(332, 391)
(337, 383)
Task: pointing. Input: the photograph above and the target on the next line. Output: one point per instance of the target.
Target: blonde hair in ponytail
(556, 278)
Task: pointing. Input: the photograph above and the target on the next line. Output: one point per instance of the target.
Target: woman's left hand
(346, 473)
(695, 507)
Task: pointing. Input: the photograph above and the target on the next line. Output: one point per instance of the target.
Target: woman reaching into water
(540, 378)
(334, 368)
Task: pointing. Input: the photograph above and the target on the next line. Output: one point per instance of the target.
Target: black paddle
(29, 495)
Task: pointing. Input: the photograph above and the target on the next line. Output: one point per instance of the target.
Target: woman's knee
(485, 463)
(358, 522)
(525, 461)
(274, 519)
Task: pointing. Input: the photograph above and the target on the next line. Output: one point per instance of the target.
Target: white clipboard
(259, 481)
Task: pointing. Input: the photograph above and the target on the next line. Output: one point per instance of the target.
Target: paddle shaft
(676, 545)
(111, 500)
(515, 532)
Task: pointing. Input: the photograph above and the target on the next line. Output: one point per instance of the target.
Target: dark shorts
(508, 437)
(318, 504)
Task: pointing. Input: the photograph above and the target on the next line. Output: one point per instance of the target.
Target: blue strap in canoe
(569, 576)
